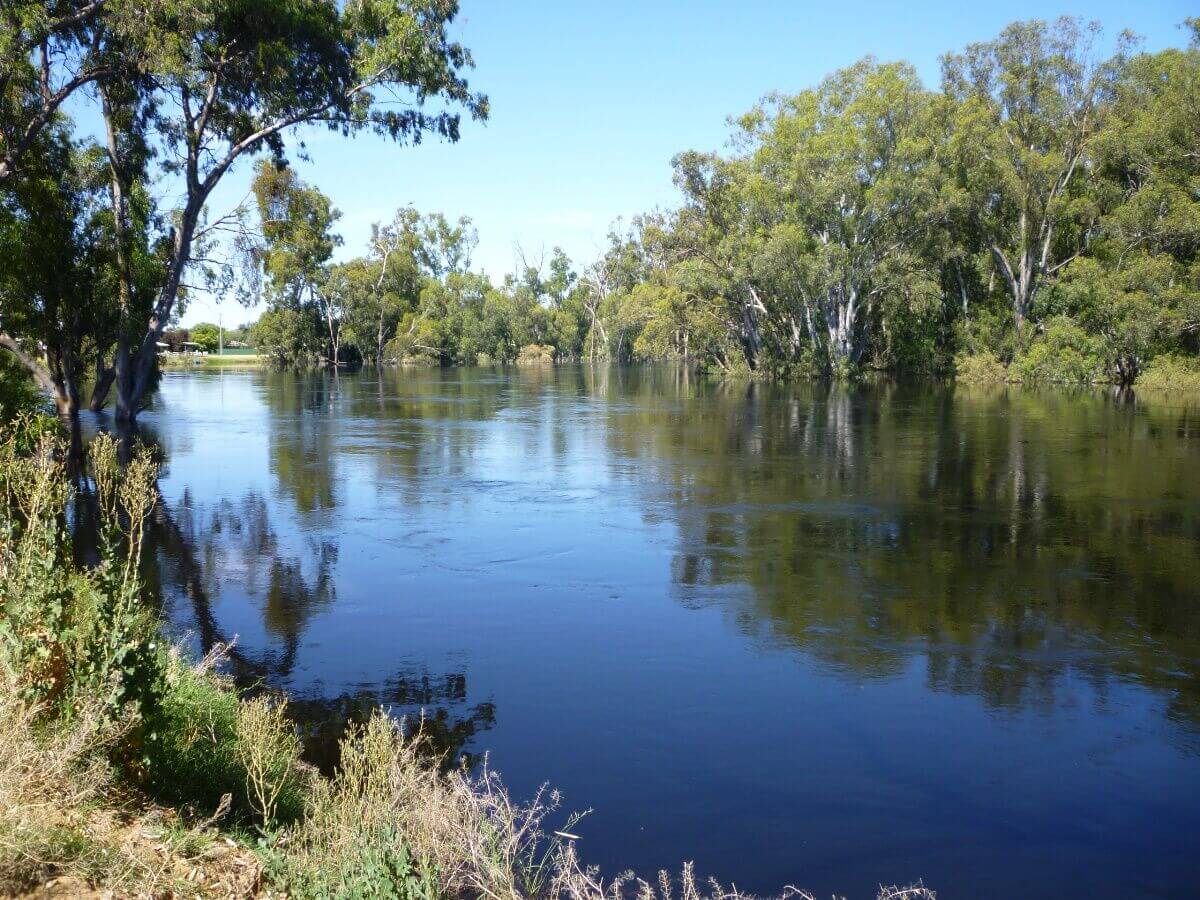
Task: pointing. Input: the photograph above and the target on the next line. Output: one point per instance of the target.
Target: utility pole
(220, 336)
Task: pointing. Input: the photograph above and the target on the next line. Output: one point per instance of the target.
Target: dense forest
(1035, 218)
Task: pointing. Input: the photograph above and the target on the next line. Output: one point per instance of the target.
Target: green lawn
(211, 361)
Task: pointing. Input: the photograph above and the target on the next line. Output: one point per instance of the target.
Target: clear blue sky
(590, 101)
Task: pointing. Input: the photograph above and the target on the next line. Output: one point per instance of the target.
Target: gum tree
(296, 221)
(1138, 288)
(1030, 106)
(842, 191)
(49, 51)
(231, 79)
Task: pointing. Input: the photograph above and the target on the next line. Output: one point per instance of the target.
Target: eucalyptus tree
(841, 190)
(1031, 104)
(408, 253)
(632, 256)
(297, 244)
(231, 78)
(58, 273)
(713, 227)
(49, 52)
(1138, 288)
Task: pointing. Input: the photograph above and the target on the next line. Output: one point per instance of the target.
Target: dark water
(820, 637)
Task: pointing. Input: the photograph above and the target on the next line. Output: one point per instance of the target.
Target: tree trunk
(133, 376)
(105, 375)
(379, 342)
(47, 382)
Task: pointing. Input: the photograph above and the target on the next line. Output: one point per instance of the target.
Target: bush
(1172, 373)
(74, 635)
(215, 751)
(1063, 354)
(980, 368)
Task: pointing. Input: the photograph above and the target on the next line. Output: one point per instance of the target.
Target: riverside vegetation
(1034, 218)
(129, 769)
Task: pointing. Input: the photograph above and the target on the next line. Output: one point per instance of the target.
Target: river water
(798, 634)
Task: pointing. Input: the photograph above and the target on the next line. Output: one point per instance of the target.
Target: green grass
(179, 361)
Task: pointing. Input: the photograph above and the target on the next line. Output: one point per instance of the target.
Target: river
(802, 635)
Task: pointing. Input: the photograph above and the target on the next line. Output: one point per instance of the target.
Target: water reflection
(630, 561)
(435, 710)
(203, 547)
(1006, 536)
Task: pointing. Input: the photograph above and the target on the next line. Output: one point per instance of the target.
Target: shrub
(1063, 354)
(1171, 372)
(980, 368)
(75, 635)
(214, 750)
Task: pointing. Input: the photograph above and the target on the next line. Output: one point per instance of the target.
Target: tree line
(1036, 218)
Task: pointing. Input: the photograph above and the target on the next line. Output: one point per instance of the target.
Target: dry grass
(66, 822)
(390, 814)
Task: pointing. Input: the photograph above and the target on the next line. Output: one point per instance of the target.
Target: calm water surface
(821, 637)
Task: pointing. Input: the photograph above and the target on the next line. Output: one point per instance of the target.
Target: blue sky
(590, 101)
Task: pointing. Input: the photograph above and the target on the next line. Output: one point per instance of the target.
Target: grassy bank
(176, 361)
(130, 770)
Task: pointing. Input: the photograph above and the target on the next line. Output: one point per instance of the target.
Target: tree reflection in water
(199, 548)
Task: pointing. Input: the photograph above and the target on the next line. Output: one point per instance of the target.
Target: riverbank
(130, 771)
(177, 361)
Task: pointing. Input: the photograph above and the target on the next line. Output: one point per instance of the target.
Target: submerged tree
(297, 244)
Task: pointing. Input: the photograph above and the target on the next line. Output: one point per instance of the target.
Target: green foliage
(1171, 373)
(210, 745)
(81, 639)
(289, 337)
(185, 90)
(206, 336)
(1063, 354)
(376, 867)
(72, 634)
